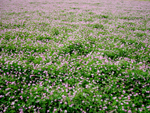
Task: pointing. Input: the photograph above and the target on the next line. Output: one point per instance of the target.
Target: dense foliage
(75, 56)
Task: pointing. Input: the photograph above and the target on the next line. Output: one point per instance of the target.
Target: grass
(74, 59)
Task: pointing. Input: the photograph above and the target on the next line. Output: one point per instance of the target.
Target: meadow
(74, 56)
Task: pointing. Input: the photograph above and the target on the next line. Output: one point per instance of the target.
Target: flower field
(74, 56)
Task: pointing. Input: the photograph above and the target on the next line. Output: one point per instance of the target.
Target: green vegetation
(67, 60)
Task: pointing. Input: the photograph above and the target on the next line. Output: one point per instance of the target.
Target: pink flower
(21, 97)
(124, 91)
(12, 103)
(55, 109)
(71, 105)
(21, 110)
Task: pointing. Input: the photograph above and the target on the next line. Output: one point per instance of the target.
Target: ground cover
(74, 56)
